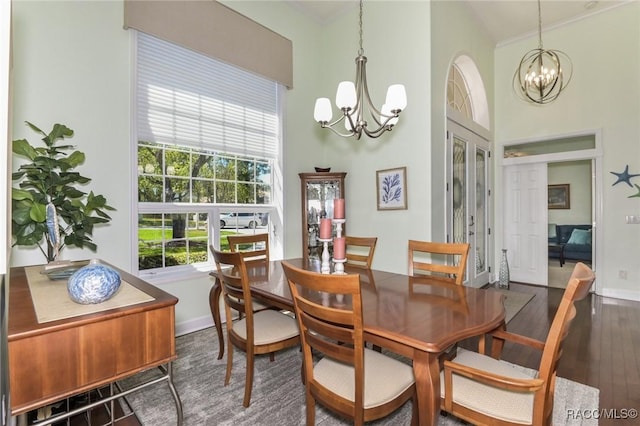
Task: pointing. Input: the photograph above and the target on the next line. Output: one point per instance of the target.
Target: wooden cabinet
(318, 192)
(50, 361)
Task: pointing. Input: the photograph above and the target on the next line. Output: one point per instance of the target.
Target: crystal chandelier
(353, 99)
(540, 77)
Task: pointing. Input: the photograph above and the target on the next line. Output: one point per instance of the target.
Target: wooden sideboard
(54, 360)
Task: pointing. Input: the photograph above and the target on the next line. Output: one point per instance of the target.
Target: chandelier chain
(539, 25)
(361, 51)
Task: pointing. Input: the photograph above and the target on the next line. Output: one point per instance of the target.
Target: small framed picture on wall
(559, 196)
(391, 185)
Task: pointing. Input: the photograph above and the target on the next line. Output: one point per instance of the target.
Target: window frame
(213, 210)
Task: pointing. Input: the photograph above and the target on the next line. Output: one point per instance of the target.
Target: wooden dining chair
(359, 250)
(253, 246)
(240, 244)
(256, 333)
(341, 374)
(441, 259)
(482, 389)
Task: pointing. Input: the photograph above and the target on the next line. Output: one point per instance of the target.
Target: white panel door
(525, 222)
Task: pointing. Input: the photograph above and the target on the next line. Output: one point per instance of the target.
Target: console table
(53, 360)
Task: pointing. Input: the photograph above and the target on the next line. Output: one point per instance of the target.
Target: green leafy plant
(48, 182)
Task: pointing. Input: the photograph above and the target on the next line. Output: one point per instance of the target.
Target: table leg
(214, 304)
(22, 419)
(427, 374)
(497, 344)
(174, 394)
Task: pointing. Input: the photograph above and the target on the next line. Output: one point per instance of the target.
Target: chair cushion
(515, 407)
(257, 306)
(268, 326)
(384, 378)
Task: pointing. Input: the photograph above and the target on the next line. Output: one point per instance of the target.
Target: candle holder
(339, 263)
(325, 298)
(339, 266)
(339, 223)
(326, 265)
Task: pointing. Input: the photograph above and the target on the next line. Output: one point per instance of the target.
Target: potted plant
(48, 204)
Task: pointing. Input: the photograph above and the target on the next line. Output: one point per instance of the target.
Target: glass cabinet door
(318, 192)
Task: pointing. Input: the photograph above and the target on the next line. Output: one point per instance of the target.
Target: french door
(468, 218)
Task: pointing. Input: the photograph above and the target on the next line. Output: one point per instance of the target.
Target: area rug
(278, 393)
(514, 301)
(559, 275)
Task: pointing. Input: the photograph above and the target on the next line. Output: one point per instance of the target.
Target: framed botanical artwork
(391, 186)
(559, 196)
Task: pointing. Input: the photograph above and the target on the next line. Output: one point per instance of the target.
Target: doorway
(573, 160)
(467, 199)
(574, 177)
(468, 174)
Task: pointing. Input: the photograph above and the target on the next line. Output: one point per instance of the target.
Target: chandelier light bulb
(346, 95)
(322, 112)
(396, 97)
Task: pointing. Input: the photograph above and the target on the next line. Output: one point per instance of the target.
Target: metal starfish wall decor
(626, 177)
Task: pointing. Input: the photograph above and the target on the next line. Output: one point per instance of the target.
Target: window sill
(182, 273)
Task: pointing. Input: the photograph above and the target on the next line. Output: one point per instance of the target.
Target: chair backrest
(253, 246)
(579, 285)
(327, 326)
(232, 273)
(441, 292)
(359, 250)
(443, 259)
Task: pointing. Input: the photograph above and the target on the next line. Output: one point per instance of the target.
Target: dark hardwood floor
(602, 349)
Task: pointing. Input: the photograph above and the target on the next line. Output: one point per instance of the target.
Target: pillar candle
(325, 229)
(338, 208)
(339, 248)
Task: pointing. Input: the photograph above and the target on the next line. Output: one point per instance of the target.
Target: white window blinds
(185, 98)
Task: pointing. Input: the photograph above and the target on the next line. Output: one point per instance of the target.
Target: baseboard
(621, 294)
(192, 325)
(197, 324)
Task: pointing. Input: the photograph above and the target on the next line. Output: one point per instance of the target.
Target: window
(207, 145)
(458, 96)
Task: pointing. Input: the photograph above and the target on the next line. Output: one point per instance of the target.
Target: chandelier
(353, 100)
(540, 77)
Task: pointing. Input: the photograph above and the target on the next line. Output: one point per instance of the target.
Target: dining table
(417, 317)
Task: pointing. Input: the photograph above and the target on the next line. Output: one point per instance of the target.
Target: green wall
(72, 64)
(602, 96)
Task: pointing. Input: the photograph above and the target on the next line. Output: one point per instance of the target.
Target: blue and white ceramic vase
(94, 283)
